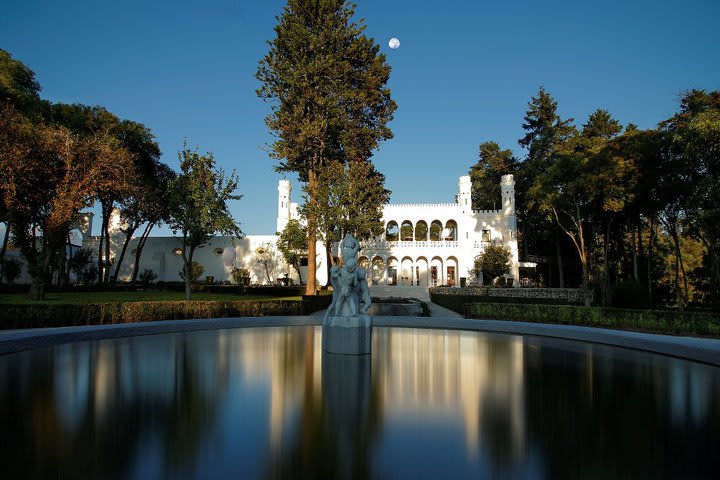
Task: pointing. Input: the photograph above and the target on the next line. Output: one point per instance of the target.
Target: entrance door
(392, 276)
(451, 276)
(433, 276)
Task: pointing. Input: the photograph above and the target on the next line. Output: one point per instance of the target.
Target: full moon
(394, 43)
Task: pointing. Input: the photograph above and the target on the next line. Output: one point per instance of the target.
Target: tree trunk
(312, 235)
(106, 272)
(651, 240)
(636, 271)
(561, 270)
(62, 261)
(138, 251)
(101, 243)
(606, 267)
(39, 273)
(187, 265)
(3, 249)
(121, 257)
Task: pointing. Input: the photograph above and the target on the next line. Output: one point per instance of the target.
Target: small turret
(464, 198)
(507, 189)
(284, 190)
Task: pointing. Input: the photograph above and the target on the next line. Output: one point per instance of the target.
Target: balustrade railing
(411, 244)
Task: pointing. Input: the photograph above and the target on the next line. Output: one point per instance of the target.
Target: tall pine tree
(326, 82)
(485, 175)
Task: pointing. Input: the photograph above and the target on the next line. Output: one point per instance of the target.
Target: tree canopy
(198, 200)
(326, 82)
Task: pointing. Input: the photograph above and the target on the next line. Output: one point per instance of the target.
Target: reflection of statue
(347, 327)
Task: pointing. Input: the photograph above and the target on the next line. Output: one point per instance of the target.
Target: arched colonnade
(421, 271)
(421, 231)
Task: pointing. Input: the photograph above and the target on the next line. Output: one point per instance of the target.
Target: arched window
(406, 231)
(421, 231)
(450, 232)
(392, 232)
(436, 231)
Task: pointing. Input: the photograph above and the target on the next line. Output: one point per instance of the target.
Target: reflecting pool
(267, 403)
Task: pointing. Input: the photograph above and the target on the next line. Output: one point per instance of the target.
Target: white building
(431, 244)
(424, 244)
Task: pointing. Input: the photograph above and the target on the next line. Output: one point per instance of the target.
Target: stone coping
(696, 349)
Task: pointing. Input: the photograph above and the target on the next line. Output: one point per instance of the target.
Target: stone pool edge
(690, 348)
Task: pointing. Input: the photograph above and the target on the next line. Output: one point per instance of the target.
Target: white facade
(424, 245)
(436, 244)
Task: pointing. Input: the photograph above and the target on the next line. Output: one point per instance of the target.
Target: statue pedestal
(348, 335)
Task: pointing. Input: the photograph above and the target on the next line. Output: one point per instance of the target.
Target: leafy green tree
(545, 131)
(11, 270)
(49, 175)
(693, 156)
(292, 243)
(487, 172)
(268, 257)
(18, 86)
(350, 200)
(196, 271)
(143, 203)
(493, 262)
(198, 204)
(79, 261)
(327, 83)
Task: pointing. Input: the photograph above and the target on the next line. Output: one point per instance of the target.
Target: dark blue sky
(464, 74)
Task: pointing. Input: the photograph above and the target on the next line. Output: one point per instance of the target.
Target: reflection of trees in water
(593, 415)
(92, 418)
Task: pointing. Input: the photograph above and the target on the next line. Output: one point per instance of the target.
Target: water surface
(266, 403)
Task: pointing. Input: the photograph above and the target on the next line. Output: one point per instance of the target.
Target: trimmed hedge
(32, 316)
(666, 322)
(458, 302)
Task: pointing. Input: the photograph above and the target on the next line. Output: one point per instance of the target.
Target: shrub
(44, 315)
(501, 282)
(241, 276)
(196, 271)
(11, 270)
(89, 275)
(147, 276)
(667, 322)
(493, 262)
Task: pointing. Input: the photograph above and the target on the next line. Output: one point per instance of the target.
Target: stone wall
(561, 295)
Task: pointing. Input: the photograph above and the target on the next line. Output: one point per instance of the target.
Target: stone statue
(349, 283)
(347, 328)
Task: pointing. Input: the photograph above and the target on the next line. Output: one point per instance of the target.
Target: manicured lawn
(139, 296)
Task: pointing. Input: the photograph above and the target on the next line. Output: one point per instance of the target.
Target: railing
(410, 244)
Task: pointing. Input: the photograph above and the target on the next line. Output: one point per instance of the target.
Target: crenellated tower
(464, 199)
(283, 216)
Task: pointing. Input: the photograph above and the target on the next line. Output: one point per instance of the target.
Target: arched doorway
(364, 263)
(392, 271)
(406, 269)
(436, 272)
(378, 270)
(451, 271)
(421, 272)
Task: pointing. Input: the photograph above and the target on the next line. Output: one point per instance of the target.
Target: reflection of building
(470, 377)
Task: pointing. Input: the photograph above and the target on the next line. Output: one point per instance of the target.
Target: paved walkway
(400, 291)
